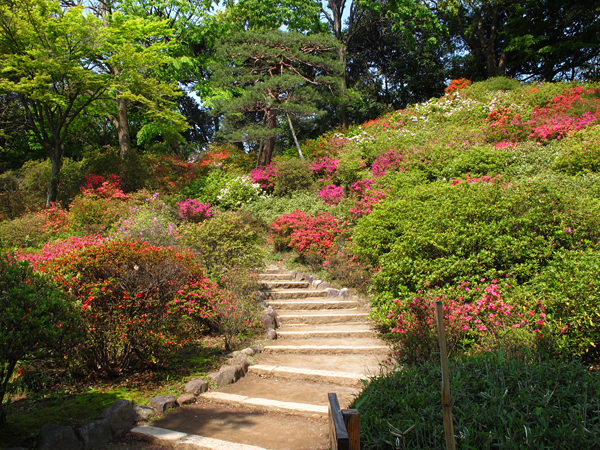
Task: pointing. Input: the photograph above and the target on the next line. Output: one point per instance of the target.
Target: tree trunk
(267, 154)
(344, 122)
(123, 127)
(56, 161)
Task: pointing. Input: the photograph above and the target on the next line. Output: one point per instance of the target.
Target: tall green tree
(47, 58)
(137, 47)
(268, 75)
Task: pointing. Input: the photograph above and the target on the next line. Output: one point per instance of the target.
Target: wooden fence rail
(344, 426)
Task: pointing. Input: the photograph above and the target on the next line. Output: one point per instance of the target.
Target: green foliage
(440, 234)
(496, 403)
(24, 231)
(351, 167)
(570, 289)
(579, 153)
(228, 239)
(270, 208)
(293, 175)
(36, 321)
(479, 161)
(237, 191)
(482, 89)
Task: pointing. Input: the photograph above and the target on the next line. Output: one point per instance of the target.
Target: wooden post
(446, 401)
(338, 437)
(352, 422)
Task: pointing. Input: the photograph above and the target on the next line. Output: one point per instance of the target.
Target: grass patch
(497, 403)
(77, 403)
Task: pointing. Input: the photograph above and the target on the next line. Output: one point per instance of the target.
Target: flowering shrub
(365, 204)
(104, 187)
(324, 167)
(310, 237)
(169, 173)
(483, 179)
(138, 301)
(238, 191)
(565, 114)
(150, 222)
(58, 248)
(281, 229)
(457, 85)
(506, 124)
(225, 155)
(193, 210)
(37, 320)
(265, 177)
(390, 160)
(331, 194)
(361, 187)
(482, 323)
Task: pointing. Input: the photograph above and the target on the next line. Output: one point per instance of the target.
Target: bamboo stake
(295, 138)
(446, 401)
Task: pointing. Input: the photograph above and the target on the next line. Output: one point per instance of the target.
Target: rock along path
(324, 344)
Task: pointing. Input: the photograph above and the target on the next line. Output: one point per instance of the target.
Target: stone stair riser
(326, 350)
(299, 305)
(283, 295)
(275, 277)
(322, 319)
(324, 334)
(285, 284)
(318, 376)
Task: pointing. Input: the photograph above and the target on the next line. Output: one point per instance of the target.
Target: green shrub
(36, 321)
(238, 191)
(496, 403)
(292, 175)
(482, 89)
(270, 208)
(227, 240)
(441, 234)
(579, 153)
(479, 161)
(570, 288)
(351, 167)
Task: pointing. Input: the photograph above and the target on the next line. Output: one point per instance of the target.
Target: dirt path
(324, 344)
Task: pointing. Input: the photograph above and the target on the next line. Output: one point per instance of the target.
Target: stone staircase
(325, 343)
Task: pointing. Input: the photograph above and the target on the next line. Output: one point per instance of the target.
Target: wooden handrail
(344, 426)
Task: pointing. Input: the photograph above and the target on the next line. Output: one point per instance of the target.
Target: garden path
(323, 345)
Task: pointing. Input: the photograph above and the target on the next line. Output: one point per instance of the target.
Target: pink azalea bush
(483, 179)
(331, 194)
(193, 210)
(265, 177)
(324, 167)
(473, 318)
(390, 160)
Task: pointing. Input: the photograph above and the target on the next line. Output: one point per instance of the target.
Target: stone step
(275, 277)
(271, 270)
(322, 317)
(292, 294)
(319, 376)
(303, 398)
(367, 365)
(327, 346)
(239, 425)
(312, 303)
(324, 331)
(183, 441)
(271, 285)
